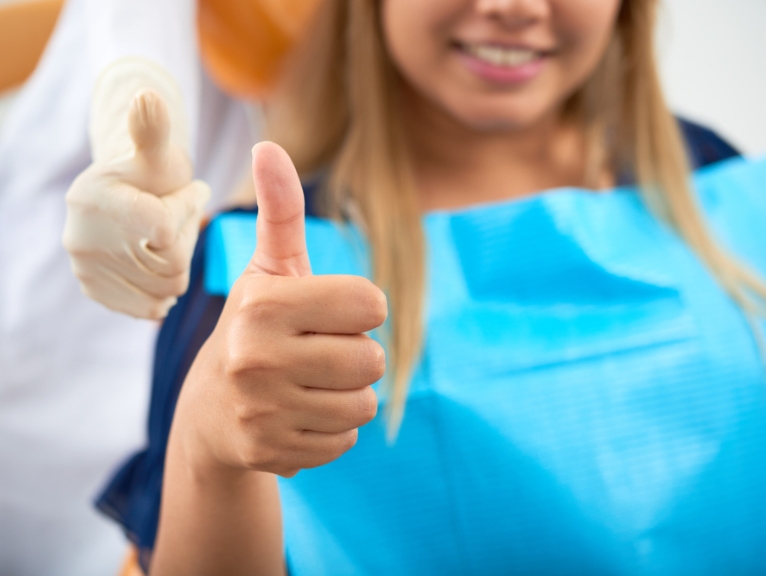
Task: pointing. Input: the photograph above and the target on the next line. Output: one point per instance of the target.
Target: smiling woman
(582, 385)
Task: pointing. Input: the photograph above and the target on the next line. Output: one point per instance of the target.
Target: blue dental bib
(589, 400)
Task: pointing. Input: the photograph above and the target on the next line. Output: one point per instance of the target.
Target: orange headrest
(24, 31)
(244, 42)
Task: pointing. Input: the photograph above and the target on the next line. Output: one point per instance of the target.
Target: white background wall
(713, 58)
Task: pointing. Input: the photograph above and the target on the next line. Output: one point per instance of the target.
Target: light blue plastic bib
(589, 400)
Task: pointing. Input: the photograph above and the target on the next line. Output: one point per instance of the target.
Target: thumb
(280, 229)
(149, 125)
(157, 167)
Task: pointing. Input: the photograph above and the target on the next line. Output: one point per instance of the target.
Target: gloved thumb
(149, 126)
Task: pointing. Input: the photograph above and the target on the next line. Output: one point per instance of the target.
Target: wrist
(198, 439)
(191, 453)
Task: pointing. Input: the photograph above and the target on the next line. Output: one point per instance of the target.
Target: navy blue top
(132, 497)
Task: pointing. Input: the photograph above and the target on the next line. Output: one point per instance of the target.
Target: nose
(514, 13)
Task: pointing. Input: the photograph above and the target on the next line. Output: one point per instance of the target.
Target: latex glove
(134, 214)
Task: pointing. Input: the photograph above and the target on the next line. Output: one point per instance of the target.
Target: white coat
(74, 376)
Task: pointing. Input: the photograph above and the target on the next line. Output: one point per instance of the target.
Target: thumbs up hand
(132, 220)
(283, 383)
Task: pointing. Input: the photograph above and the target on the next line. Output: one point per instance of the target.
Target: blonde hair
(337, 110)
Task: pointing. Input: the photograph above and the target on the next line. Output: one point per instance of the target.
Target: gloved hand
(134, 214)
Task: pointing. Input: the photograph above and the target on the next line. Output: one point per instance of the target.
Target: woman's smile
(502, 64)
(497, 66)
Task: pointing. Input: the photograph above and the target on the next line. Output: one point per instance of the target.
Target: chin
(497, 119)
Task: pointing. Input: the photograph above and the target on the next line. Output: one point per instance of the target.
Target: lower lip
(503, 74)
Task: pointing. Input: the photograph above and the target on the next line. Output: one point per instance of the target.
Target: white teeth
(502, 56)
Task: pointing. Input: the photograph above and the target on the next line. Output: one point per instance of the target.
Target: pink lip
(502, 74)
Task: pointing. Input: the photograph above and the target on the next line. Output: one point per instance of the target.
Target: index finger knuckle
(372, 300)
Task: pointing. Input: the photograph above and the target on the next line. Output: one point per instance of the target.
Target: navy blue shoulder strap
(704, 146)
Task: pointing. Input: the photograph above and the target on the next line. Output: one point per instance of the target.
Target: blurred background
(712, 55)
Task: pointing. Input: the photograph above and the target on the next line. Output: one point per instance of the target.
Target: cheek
(416, 34)
(584, 28)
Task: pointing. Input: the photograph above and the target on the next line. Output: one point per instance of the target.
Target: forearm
(216, 521)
